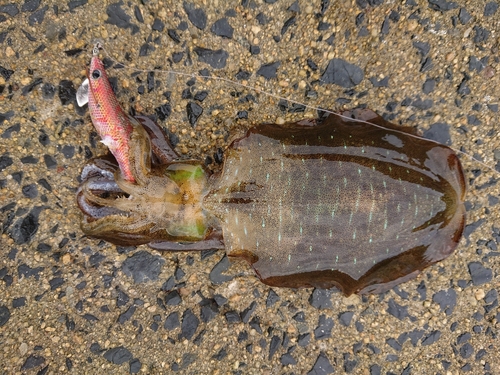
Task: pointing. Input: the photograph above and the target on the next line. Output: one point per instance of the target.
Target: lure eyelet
(96, 74)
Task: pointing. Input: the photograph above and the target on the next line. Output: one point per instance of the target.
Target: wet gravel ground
(74, 304)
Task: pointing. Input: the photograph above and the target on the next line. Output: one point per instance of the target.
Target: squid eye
(96, 73)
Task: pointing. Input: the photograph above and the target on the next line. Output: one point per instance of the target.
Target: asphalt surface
(72, 304)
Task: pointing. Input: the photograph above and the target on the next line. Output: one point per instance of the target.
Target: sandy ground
(68, 303)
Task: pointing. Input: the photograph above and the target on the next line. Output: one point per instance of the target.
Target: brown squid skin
(352, 202)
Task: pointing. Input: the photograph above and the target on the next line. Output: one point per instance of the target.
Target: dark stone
(342, 73)
(172, 321)
(463, 89)
(493, 107)
(68, 151)
(37, 16)
(473, 120)
(322, 366)
(247, 313)
(6, 116)
(135, 366)
(273, 346)
(447, 300)
(422, 47)
(118, 355)
(138, 14)
(66, 92)
(209, 310)
(10, 9)
(189, 325)
(464, 16)
(27, 271)
(255, 324)
(123, 317)
(463, 338)
(30, 5)
(215, 58)
(426, 65)
(118, 17)
(28, 36)
(415, 335)
(272, 298)
(145, 50)
(19, 302)
(303, 339)
(384, 82)
(28, 88)
(173, 298)
(431, 338)
(32, 361)
(287, 359)
(393, 344)
(396, 310)
(289, 22)
(143, 266)
(480, 34)
(197, 16)
(72, 4)
(268, 71)
(232, 317)
(324, 328)
(242, 75)
(43, 248)
(194, 111)
(478, 64)
(25, 228)
(90, 317)
(349, 365)
(56, 283)
(158, 25)
(429, 86)
(322, 26)
(422, 104)
(48, 91)
(163, 111)
(6, 73)
(96, 258)
(122, 298)
(11, 129)
(442, 5)
(30, 191)
(172, 33)
(299, 317)
(359, 326)
(384, 30)
(216, 275)
(222, 28)
(490, 8)
(5, 162)
(466, 350)
(321, 298)
(439, 132)
(4, 315)
(345, 318)
(479, 274)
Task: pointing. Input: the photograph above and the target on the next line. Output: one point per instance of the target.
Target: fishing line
(263, 92)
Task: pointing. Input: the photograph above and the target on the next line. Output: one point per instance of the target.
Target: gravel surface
(72, 304)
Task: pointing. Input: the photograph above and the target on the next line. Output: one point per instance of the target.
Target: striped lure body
(113, 125)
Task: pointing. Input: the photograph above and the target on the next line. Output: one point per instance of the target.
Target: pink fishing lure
(113, 125)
